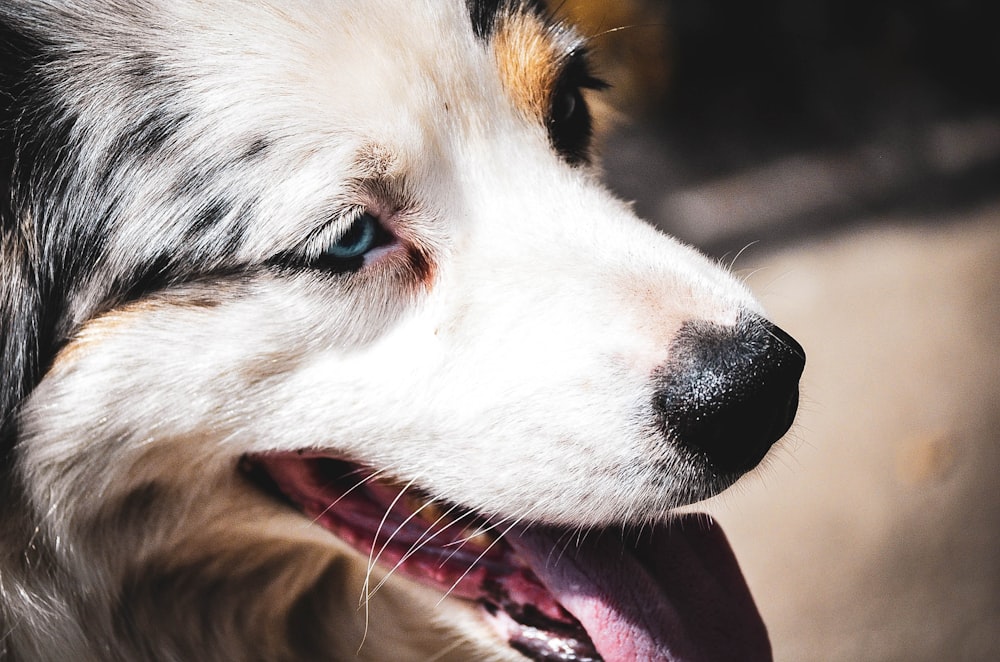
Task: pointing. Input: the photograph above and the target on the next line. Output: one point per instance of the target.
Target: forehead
(412, 68)
(305, 54)
(528, 49)
(433, 45)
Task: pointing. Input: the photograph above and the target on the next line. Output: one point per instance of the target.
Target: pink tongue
(676, 595)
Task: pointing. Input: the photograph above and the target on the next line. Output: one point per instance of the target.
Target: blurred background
(844, 158)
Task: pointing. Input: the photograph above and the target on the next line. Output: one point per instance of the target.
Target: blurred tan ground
(874, 532)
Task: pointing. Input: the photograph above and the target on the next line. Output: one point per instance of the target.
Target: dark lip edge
(253, 467)
(570, 635)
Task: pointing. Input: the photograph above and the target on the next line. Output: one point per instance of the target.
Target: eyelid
(382, 199)
(334, 230)
(578, 72)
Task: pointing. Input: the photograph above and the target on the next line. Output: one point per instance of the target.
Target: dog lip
(395, 525)
(440, 545)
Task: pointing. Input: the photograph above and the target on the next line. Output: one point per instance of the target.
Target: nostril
(729, 393)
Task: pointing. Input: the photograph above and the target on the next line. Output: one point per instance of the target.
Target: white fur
(516, 382)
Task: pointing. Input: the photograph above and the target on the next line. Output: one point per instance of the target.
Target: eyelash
(344, 249)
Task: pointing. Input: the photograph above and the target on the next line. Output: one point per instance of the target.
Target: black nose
(728, 393)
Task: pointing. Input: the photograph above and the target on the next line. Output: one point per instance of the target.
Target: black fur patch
(153, 131)
(211, 215)
(484, 13)
(23, 321)
(141, 65)
(258, 148)
(57, 211)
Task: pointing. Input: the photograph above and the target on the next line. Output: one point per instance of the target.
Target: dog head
(354, 256)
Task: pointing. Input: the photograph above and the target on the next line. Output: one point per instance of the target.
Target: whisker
(378, 530)
(480, 530)
(357, 485)
(399, 528)
(741, 251)
(421, 542)
(484, 553)
(557, 10)
(444, 651)
(621, 28)
(563, 544)
(746, 278)
(366, 594)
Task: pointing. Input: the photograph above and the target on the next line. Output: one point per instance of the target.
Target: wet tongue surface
(674, 594)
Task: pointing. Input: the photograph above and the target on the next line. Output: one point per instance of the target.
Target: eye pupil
(361, 237)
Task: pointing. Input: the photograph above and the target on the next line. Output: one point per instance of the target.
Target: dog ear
(22, 318)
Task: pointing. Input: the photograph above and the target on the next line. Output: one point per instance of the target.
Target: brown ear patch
(530, 55)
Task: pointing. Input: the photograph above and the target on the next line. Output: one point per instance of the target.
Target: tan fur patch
(90, 335)
(530, 56)
(94, 332)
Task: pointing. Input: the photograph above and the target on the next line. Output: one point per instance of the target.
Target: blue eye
(365, 234)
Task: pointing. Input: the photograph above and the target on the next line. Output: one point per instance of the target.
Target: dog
(322, 341)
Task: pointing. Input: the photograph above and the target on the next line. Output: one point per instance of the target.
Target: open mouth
(548, 596)
(463, 555)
